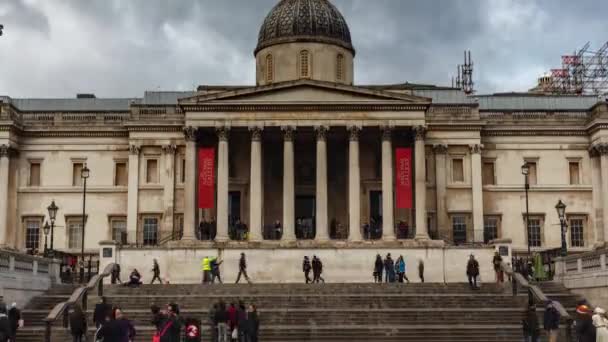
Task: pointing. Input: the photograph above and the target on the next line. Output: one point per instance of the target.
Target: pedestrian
(583, 324)
(232, 317)
(551, 319)
(496, 262)
(317, 269)
(421, 270)
(14, 318)
(212, 321)
(78, 324)
(530, 326)
(306, 267)
(156, 272)
(472, 272)
(215, 270)
(5, 327)
(221, 320)
(601, 325)
(102, 312)
(242, 269)
(378, 267)
(157, 317)
(171, 327)
(400, 269)
(206, 268)
(241, 322)
(389, 269)
(320, 265)
(115, 274)
(252, 326)
(118, 329)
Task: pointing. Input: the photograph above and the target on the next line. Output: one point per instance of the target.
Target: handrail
(538, 293)
(80, 294)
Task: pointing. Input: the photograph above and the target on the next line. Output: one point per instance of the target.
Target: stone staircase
(328, 312)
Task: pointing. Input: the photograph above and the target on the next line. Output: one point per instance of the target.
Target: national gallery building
(304, 157)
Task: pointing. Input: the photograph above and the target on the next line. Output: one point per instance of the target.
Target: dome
(304, 21)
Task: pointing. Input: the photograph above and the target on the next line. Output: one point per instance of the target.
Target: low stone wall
(23, 277)
(585, 274)
(284, 265)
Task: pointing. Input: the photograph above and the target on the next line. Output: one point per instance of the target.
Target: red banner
(206, 177)
(403, 177)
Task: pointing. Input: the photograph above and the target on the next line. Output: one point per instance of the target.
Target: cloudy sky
(119, 48)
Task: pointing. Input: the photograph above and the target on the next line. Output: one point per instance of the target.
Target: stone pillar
(603, 151)
(289, 232)
(321, 197)
(388, 218)
(477, 188)
(169, 188)
(133, 194)
(222, 184)
(4, 174)
(354, 185)
(596, 185)
(190, 184)
(255, 186)
(443, 227)
(422, 232)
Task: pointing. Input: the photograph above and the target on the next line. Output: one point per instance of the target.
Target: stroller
(192, 330)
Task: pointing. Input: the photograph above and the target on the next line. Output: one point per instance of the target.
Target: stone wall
(585, 274)
(23, 277)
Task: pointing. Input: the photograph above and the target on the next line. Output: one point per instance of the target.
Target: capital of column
(223, 133)
(420, 132)
(440, 149)
(598, 150)
(288, 132)
(387, 133)
(353, 132)
(476, 148)
(4, 151)
(321, 132)
(134, 149)
(169, 149)
(190, 133)
(256, 133)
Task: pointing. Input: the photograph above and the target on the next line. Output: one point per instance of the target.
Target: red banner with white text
(206, 177)
(403, 177)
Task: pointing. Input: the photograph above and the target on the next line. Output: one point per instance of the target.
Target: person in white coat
(601, 323)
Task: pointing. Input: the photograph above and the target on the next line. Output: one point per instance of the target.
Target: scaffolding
(464, 77)
(585, 72)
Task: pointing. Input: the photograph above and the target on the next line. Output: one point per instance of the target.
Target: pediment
(305, 91)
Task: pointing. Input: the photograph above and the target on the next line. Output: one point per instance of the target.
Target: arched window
(269, 69)
(340, 67)
(304, 63)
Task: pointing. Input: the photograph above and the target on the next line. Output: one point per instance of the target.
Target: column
(440, 186)
(169, 188)
(596, 184)
(388, 218)
(321, 197)
(422, 232)
(222, 184)
(133, 194)
(4, 174)
(603, 151)
(477, 188)
(354, 185)
(288, 186)
(190, 184)
(255, 186)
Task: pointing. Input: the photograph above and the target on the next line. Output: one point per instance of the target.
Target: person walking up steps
(156, 272)
(378, 267)
(421, 270)
(242, 269)
(306, 269)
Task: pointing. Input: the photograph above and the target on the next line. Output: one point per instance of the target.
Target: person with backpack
(118, 328)
(551, 319)
(472, 272)
(78, 324)
(101, 312)
(5, 328)
(400, 269)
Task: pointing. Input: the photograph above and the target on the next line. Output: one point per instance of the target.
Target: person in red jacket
(232, 316)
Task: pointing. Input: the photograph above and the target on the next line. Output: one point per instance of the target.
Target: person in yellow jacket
(206, 268)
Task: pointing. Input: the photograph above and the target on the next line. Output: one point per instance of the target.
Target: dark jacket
(78, 324)
(585, 330)
(551, 318)
(5, 330)
(173, 331)
(221, 316)
(530, 323)
(102, 310)
(472, 267)
(156, 270)
(252, 324)
(157, 320)
(306, 265)
(389, 265)
(496, 261)
(232, 318)
(119, 330)
(241, 318)
(317, 266)
(242, 263)
(378, 265)
(14, 315)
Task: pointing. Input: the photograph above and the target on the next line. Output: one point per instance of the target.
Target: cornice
(76, 134)
(328, 107)
(455, 127)
(534, 132)
(155, 128)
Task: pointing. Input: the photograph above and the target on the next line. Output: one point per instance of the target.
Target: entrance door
(234, 212)
(375, 215)
(305, 217)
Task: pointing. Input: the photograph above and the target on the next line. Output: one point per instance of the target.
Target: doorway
(235, 225)
(374, 231)
(305, 217)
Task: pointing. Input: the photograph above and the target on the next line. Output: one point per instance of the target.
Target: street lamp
(46, 230)
(52, 209)
(561, 213)
(85, 173)
(525, 170)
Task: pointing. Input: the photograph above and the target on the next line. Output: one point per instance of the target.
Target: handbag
(158, 335)
(235, 333)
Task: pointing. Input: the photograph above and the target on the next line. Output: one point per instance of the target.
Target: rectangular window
(77, 174)
(487, 176)
(574, 173)
(32, 234)
(490, 228)
(457, 170)
(121, 174)
(34, 174)
(151, 171)
(182, 173)
(119, 229)
(75, 233)
(150, 231)
(459, 227)
(577, 236)
(532, 180)
(534, 232)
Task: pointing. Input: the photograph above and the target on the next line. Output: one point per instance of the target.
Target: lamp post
(525, 170)
(52, 209)
(85, 173)
(46, 230)
(561, 213)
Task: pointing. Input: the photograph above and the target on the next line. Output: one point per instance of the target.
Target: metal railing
(79, 295)
(535, 292)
